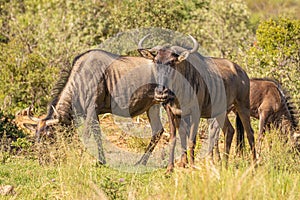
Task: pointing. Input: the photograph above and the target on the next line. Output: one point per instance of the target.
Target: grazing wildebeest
(102, 82)
(269, 103)
(204, 87)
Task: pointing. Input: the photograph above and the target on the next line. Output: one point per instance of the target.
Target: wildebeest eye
(175, 55)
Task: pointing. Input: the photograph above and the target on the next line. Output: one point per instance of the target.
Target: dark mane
(63, 79)
(192, 75)
(267, 79)
(57, 89)
(60, 84)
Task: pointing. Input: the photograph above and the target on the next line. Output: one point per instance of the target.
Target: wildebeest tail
(240, 138)
(290, 112)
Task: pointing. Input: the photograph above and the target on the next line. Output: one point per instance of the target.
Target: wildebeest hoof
(182, 164)
(7, 190)
(100, 163)
(170, 169)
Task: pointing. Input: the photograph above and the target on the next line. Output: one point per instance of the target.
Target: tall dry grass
(61, 168)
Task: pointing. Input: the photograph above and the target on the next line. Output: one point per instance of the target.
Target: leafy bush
(221, 27)
(8, 129)
(275, 54)
(40, 38)
(128, 14)
(223, 30)
(25, 77)
(21, 143)
(9, 133)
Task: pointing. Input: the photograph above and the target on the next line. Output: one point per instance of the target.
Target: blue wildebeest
(204, 87)
(102, 82)
(271, 104)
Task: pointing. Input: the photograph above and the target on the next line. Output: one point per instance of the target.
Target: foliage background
(39, 39)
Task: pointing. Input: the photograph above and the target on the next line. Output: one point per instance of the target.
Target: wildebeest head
(166, 59)
(39, 125)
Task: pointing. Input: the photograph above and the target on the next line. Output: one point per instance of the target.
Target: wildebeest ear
(183, 56)
(146, 54)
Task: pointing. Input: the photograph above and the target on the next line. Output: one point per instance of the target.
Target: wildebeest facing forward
(204, 87)
(102, 82)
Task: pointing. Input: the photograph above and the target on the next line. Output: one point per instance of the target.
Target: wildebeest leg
(172, 141)
(157, 131)
(244, 114)
(195, 118)
(263, 118)
(217, 150)
(228, 131)
(184, 129)
(92, 136)
(214, 134)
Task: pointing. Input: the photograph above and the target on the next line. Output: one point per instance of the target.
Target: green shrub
(25, 77)
(42, 37)
(275, 54)
(8, 129)
(21, 143)
(222, 28)
(129, 14)
(9, 133)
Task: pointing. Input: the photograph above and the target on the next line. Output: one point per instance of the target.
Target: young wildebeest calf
(271, 105)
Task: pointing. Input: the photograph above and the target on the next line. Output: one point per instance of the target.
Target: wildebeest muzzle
(163, 94)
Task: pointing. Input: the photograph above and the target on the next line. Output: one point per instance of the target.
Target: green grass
(64, 170)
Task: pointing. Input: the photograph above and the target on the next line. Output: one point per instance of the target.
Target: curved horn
(52, 122)
(140, 45)
(54, 109)
(35, 119)
(155, 49)
(196, 45)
